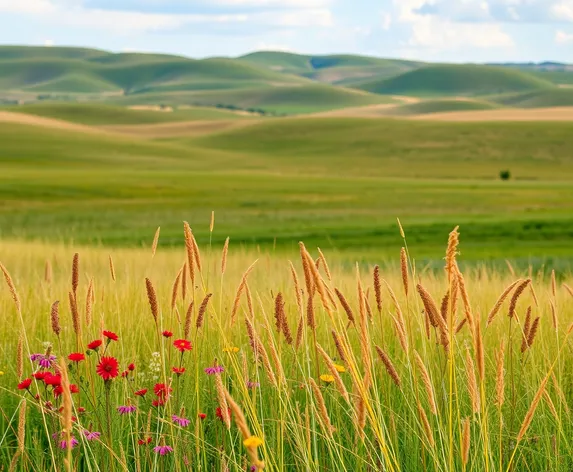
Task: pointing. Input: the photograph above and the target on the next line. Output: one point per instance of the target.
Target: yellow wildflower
(327, 378)
(340, 368)
(253, 441)
(231, 349)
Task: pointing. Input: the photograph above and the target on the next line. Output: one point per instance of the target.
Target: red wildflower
(76, 357)
(24, 384)
(202, 416)
(95, 344)
(141, 393)
(158, 403)
(178, 370)
(110, 335)
(107, 368)
(81, 410)
(167, 334)
(40, 375)
(51, 379)
(74, 388)
(58, 390)
(182, 345)
(144, 441)
(162, 391)
(131, 367)
(219, 413)
(125, 373)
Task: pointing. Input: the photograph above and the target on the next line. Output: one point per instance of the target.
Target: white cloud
(436, 33)
(386, 21)
(507, 11)
(317, 17)
(446, 35)
(264, 46)
(563, 10)
(73, 13)
(27, 6)
(562, 38)
(299, 4)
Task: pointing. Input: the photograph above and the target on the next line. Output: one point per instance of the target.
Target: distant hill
(557, 97)
(466, 80)
(132, 74)
(265, 82)
(279, 100)
(440, 106)
(335, 69)
(101, 114)
(43, 52)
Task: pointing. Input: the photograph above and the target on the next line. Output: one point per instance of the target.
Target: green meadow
(337, 182)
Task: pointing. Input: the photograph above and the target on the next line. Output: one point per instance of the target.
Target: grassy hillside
(395, 148)
(333, 183)
(558, 77)
(284, 99)
(469, 80)
(440, 106)
(342, 68)
(100, 114)
(130, 73)
(43, 52)
(329, 182)
(558, 97)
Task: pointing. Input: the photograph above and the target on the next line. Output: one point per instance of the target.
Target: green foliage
(504, 174)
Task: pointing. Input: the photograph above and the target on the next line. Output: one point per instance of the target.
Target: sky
(432, 30)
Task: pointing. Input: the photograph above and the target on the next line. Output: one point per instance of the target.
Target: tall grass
(306, 365)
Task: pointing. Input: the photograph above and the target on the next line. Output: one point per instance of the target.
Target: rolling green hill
(297, 99)
(337, 183)
(400, 148)
(467, 80)
(558, 77)
(100, 114)
(85, 71)
(43, 52)
(272, 99)
(440, 106)
(557, 97)
(335, 69)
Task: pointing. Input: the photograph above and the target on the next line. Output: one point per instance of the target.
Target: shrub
(505, 175)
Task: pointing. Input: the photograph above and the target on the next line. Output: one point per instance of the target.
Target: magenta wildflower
(163, 450)
(183, 422)
(64, 444)
(45, 361)
(126, 409)
(92, 435)
(252, 385)
(216, 369)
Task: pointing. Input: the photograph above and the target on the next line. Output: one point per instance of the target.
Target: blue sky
(436, 30)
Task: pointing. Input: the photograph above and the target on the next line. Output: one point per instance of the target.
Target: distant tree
(505, 175)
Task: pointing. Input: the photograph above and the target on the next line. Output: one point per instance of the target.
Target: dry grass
(375, 389)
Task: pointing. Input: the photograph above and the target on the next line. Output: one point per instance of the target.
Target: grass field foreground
(248, 362)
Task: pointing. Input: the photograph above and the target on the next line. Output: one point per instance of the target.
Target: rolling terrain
(465, 80)
(166, 138)
(274, 181)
